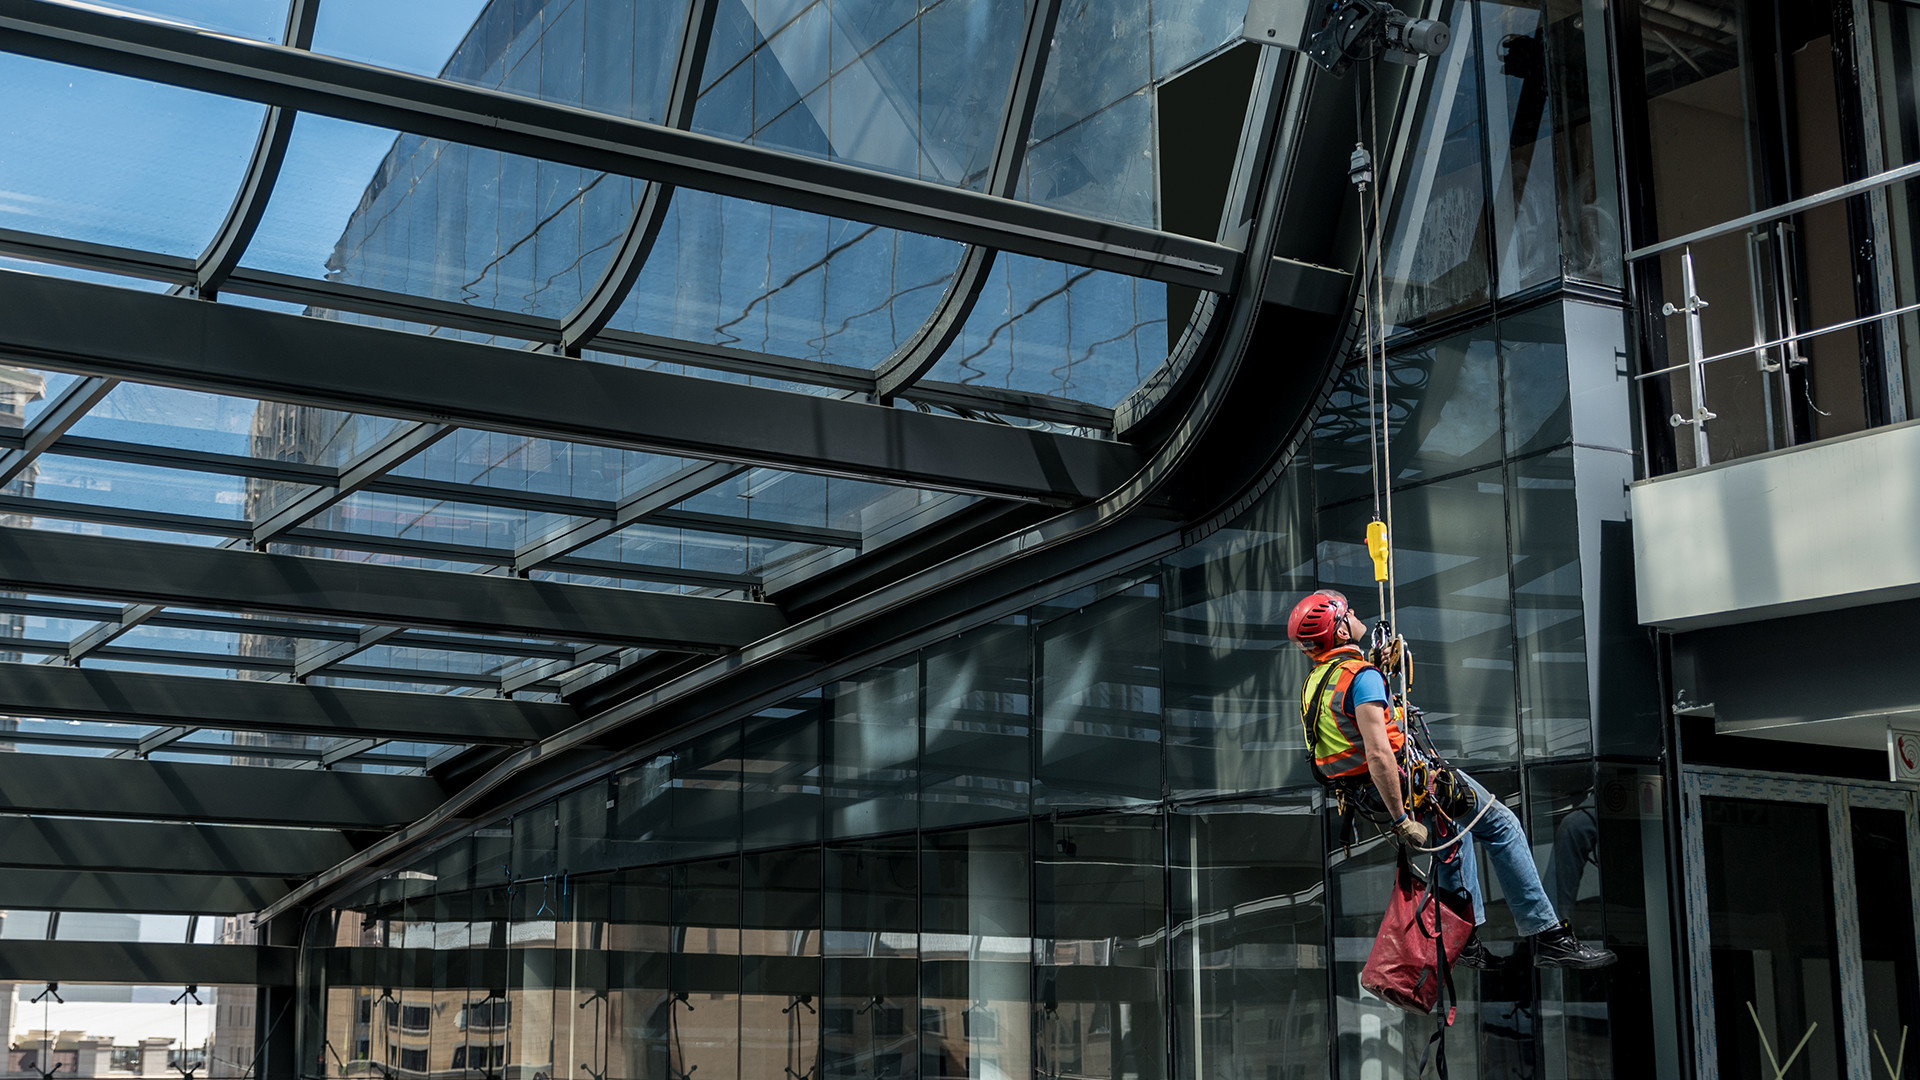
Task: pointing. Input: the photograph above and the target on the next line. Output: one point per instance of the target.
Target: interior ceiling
(332, 514)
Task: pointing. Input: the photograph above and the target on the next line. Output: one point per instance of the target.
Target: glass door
(1800, 921)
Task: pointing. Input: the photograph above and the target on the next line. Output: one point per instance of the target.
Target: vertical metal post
(1790, 358)
(1696, 372)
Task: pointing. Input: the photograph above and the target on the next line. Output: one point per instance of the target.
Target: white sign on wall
(1903, 755)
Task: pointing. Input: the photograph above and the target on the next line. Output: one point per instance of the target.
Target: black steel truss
(167, 847)
(246, 705)
(101, 330)
(157, 574)
(62, 786)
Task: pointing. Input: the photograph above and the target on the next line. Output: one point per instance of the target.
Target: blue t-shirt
(1367, 687)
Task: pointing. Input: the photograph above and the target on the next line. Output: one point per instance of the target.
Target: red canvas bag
(1413, 954)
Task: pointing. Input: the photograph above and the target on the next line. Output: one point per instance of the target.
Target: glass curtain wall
(1081, 841)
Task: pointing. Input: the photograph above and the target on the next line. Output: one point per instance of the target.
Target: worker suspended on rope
(1372, 765)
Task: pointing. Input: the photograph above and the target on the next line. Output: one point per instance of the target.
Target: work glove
(1410, 831)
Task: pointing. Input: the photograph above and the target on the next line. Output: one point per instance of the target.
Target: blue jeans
(1512, 861)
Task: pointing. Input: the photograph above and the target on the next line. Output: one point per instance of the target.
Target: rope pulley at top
(1333, 34)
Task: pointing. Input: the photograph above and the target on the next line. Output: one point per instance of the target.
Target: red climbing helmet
(1316, 620)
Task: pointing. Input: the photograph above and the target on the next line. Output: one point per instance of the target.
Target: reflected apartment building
(1077, 841)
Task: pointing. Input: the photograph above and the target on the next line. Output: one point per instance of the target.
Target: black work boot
(1558, 948)
(1475, 954)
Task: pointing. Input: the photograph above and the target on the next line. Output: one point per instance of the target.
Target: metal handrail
(1777, 342)
(1786, 209)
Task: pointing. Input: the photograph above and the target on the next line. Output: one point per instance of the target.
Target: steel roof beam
(60, 414)
(174, 341)
(166, 847)
(148, 963)
(129, 697)
(63, 786)
(294, 79)
(148, 573)
(121, 747)
(405, 443)
(144, 893)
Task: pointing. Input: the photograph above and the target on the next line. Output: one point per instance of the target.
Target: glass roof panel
(540, 466)
(154, 668)
(122, 532)
(416, 36)
(26, 746)
(909, 89)
(124, 486)
(209, 642)
(423, 217)
(1094, 137)
(260, 20)
(1068, 331)
(674, 368)
(690, 549)
(804, 499)
(615, 58)
(182, 419)
(41, 630)
(112, 160)
(26, 392)
(768, 279)
(378, 515)
(339, 550)
(98, 729)
(444, 661)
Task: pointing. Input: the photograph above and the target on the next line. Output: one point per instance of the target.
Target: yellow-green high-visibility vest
(1333, 735)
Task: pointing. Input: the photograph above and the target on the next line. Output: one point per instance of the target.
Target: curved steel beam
(223, 253)
(1119, 517)
(608, 293)
(930, 342)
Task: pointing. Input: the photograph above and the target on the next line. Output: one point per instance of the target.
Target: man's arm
(1371, 718)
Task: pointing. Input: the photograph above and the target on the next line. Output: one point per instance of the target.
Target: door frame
(1838, 796)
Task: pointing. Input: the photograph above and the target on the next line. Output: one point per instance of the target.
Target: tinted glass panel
(1438, 236)
(1099, 709)
(1454, 601)
(1770, 913)
(1884, 885)
(1249, 948)
(871, 1011)
(1550, 632)
(1099, 909)
(873, 746)
(976, 954)
(1440, 417)
(977, 764)
(1232, 677)
(781, 777)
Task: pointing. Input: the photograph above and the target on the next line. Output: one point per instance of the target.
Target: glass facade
(1081, 840)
